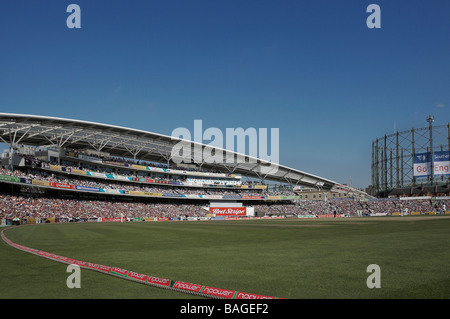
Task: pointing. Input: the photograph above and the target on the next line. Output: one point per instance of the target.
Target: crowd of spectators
(351, 207)
(40, 206)
(121, 173)
(140, 162)
(50, 176)
(36, 206)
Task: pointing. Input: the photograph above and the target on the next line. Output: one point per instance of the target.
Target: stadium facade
(414, 162)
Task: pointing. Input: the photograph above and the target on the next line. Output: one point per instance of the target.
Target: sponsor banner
(135, 193)
(91, 265)
(328, 215)
(89, 158)
(31, 250)
(80, 263)
(77, 171)
(212, 196)
(44, 253)
(228, 211)
(63, 259)
(442, 163)
(422, 163)
(88, 188)
(62, 185)
(9, 178)
(104, 268)
(188, 286)
(144, 193)
(135, 275)
(251, 197)
(40, 183)
(379, 214)
(159, 281)
(290, 197)
(67, 260)
(139, 167)
(26, 249)
(55, 167)
(55, 257)
(112, 191)
(153, 194)
(172, 195)
(231, 197)
(244, 295)
(95, 174)
(218, 292)
(111, 219)
(114, 163)
(192, 196)
(274, 197)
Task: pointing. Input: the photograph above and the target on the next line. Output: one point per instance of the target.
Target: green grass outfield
(290, 258)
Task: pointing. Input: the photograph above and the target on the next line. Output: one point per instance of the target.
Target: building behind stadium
(414, 162)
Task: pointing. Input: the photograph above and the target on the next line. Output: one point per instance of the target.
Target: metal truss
(393, 157)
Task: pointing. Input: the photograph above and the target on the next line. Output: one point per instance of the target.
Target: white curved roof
(143, 145)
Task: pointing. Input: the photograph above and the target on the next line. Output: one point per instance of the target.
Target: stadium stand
(57, 183)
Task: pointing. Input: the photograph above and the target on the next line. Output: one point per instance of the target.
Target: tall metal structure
(393, 159)
(430, 120)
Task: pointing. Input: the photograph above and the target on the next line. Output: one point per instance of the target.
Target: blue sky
(311, 68)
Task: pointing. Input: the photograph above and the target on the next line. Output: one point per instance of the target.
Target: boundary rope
(174, 285)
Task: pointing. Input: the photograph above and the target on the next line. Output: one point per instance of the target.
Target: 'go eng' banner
(441, 164)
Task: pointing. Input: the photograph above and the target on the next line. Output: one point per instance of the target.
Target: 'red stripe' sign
(228, 211)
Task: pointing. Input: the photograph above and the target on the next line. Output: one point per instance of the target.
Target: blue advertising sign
(441, 163)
